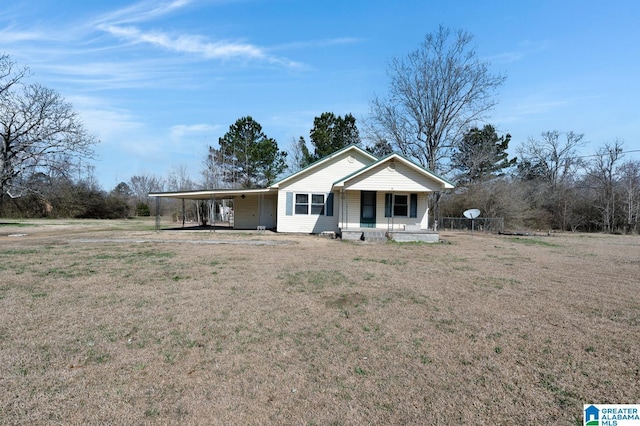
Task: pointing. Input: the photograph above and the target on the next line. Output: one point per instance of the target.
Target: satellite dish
(471, 213)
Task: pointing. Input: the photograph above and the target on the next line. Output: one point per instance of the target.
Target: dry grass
(110, 322)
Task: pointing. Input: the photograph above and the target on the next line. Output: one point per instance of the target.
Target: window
(317, 204)
(413, 206)
(303, 206)
(400, 205)
(302, 203)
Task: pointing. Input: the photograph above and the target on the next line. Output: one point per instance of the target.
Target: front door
(368, 209)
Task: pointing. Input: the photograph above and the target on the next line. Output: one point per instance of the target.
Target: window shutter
(413, 206)
(289, 209)
(329, 207)
(387, 204)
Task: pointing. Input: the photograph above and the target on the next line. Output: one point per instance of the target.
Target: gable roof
(393, 157)
(325, 160)
(208, 194)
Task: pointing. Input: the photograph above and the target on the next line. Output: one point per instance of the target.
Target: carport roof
(208, 194)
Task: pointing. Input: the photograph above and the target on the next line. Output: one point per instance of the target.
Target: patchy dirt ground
(111, 322)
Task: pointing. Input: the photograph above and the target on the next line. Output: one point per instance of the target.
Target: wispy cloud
(198, 45)
(187, 43)
(96, 76)
(535, 46)
(505, 57)
(140, 12)
(120, 24)
(317, 43)
(105, 120)
(523, 49)
(181, 131)
(9, 36)
(528, 107)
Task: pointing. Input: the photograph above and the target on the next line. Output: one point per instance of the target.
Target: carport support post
(260, 210)
(157, 213)
(212, 213)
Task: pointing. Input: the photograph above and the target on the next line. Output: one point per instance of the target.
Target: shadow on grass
(17, 224)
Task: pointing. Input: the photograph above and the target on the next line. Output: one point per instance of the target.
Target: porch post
(392, 210)
(425, 224)
(343, 208)
(345, 211)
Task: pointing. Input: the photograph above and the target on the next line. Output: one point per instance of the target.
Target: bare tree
(380, 148)
(179, 179)
(603, 171)
(630, 190)
(555, 159)
(213, 169)
(551, 165)
(500, 197)
(39, 132)
(9, 75)
(298, 155)
(141, 185)
(436, 92)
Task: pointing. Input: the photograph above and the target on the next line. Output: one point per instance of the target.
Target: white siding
(308, 224)
(245, 212)
(385, 178)
(318, 180)
(352, 207)
(249, 210)
(268, 211)
(322, 177)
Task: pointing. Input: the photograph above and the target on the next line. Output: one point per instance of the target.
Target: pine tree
(250, 158)
(481, 154)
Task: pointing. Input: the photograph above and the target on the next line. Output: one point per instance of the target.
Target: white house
(350, 190)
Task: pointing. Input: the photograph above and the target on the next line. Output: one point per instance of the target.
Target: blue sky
(159, 81)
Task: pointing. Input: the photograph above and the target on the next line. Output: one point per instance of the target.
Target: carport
(252, 208)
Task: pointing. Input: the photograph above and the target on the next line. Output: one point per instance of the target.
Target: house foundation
(381, 235)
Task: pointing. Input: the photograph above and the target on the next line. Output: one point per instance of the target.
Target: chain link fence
(482, 224)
